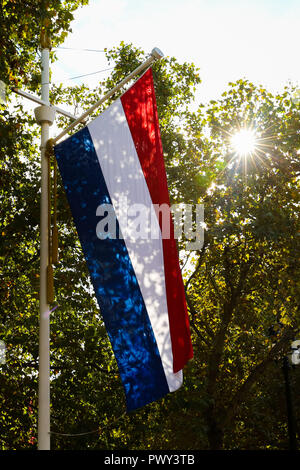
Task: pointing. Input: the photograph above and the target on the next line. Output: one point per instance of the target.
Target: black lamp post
(293, 359)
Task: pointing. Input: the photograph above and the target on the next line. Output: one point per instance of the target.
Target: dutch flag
(137, 280)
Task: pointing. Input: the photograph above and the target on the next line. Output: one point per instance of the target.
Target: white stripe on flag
(124, 178)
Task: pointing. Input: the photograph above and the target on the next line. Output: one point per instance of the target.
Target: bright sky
(226, 39)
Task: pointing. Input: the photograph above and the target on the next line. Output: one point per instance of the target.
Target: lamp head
(157, 53)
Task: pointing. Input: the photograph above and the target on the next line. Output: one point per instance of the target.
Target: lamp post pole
(289, 405)
(45, 116)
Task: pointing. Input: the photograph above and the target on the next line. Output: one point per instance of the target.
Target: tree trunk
(215, 433)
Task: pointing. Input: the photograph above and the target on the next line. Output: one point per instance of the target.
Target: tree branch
(193, 324)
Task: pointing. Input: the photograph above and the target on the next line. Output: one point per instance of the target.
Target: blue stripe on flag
(115, 283)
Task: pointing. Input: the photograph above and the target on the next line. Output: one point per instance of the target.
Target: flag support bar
(155, 55)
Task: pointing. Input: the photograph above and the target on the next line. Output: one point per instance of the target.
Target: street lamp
(291, 359)
(294, 355)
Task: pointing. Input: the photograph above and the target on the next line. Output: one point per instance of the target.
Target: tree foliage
(246, 280)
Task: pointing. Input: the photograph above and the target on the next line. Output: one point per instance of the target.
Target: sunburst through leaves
(244, 142)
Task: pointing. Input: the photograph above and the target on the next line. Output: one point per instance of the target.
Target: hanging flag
(116, 162)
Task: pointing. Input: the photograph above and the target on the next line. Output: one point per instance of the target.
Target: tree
(242, 285)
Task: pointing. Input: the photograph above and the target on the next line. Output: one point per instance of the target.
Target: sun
(244, 142)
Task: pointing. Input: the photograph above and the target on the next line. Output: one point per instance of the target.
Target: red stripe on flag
(139, 105)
